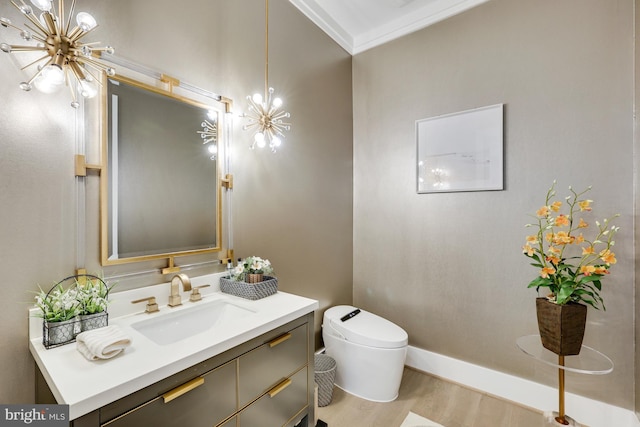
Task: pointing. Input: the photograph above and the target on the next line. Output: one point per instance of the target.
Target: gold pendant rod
(266, 51)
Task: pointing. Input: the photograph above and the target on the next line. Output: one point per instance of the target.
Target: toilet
(369, 351)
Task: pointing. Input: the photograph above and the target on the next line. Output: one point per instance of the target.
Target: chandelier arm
(40, 71)
(32, 19)
(51, 26)
(21, 48)
(95, 43)
(71, 10)
(74, 98)
(77, 71)
(37, 37)
(35, 62)
(92, 63)
(95, 79)
(84, 33)
(60, 20)
(74, 33)
(9, 24)
(42, 34)
(277, 131)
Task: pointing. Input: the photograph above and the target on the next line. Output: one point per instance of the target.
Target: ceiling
(358, 25)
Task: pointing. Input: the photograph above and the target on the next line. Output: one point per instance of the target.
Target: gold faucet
(175, 299)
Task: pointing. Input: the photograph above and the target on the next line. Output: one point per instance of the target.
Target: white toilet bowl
(369, 352)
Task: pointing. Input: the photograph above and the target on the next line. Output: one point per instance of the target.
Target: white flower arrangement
(251, 265)
(58, 304)
(93, 296)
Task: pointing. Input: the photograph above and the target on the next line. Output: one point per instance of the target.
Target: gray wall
(294, 208)
(637, 228)
(449, 267)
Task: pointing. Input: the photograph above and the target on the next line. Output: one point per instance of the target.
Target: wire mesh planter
(252, 291)
(55, 334)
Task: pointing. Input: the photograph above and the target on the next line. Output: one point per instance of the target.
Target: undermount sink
(169, 328)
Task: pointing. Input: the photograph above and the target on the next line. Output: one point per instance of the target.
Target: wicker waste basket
(325, 375)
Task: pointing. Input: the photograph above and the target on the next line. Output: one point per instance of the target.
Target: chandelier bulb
(110, 50)
(257, 98)
(44, 5)
(26, 35)
(5, 47)
(213, 149)
(5, 22)
(110, 72)
(276, 142)
(25, 86)
(75, 104)
(277, 102)
(86, 21)
(50, 80)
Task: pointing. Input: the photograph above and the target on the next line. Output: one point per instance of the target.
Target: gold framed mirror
(160, 186)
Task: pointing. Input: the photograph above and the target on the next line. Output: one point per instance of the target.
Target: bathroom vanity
(253, 366)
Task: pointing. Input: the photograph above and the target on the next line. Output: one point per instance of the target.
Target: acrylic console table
(589, 361)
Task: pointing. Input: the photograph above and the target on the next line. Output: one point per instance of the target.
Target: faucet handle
(195, 293)
(152, 306)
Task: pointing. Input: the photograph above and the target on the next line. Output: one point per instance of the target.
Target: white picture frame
(461, 151)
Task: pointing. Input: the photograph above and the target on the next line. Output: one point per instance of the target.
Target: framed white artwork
(461, 151)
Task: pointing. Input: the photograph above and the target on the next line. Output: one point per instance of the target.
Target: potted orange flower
(570, 265)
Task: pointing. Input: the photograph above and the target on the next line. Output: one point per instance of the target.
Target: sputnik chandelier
(65, 55)
(265, 115)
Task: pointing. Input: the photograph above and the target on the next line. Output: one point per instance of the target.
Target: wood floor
(446, 403)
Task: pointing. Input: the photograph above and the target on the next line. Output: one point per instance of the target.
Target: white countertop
(87, 385)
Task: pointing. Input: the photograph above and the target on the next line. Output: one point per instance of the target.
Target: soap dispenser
(229, 269)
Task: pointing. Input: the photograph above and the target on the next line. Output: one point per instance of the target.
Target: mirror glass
(161, 190)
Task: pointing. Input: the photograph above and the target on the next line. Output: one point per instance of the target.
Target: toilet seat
(365, 328)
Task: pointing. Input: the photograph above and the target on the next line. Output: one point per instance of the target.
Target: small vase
(93, 321)
(561, 326)
(56, 333)
(254, 277)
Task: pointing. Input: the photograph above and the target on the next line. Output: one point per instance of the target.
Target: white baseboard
(528, 393)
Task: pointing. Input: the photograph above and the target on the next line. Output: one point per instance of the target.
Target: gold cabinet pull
(183, 389)
(277, 389)
(279, 340)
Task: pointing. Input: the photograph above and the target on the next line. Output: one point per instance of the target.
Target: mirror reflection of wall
(163, 183)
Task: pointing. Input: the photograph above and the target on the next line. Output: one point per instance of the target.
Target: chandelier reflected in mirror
(265, 116)
(66, 59)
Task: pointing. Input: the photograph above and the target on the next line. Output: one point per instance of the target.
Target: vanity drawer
(279, 405)
(202, 402)
(272, 362)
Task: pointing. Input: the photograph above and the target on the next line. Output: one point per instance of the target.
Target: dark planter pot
(561, 326)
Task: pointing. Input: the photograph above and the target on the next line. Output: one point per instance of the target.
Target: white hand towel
(102, 343)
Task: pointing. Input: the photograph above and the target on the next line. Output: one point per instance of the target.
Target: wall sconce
(65, 55)
(265, 116)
